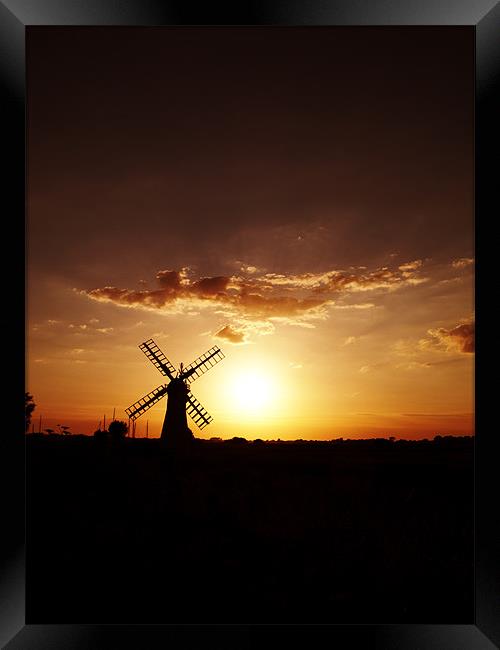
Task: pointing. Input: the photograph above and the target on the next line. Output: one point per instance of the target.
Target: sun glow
(253, 392)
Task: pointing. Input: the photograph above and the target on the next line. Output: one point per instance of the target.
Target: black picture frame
(15, 16)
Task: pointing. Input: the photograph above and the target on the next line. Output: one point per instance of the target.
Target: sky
(300, 197)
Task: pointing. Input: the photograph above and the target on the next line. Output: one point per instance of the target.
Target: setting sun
(253, 391)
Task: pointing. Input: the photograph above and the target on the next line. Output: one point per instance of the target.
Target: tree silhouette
(99, 434)
(118, 429)
(29, 407)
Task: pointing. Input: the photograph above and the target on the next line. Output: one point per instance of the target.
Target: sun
(253, 392)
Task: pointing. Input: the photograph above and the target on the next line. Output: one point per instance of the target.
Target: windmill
(180, 400)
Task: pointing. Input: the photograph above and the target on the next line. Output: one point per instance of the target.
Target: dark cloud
(169, 279)
(264, 295)
(209, 287)
(230, 334)
(224, 292)
(253, 305)
(130, 298)
(461, 337)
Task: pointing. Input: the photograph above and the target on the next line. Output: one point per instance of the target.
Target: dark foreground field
(244, 533)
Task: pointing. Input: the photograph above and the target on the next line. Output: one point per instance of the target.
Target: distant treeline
(355, 442)
(437, 440)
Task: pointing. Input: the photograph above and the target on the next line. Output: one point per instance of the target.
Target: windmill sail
(146, 402)
(202, 364)
(157, 358)
(197, 413)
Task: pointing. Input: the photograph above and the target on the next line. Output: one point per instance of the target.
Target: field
(233, 532)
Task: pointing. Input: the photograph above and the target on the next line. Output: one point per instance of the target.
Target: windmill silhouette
(180, 400)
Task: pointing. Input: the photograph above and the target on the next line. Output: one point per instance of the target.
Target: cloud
(205, 292)
(436, 415)
(375, 366)
(381, 279)
(292, 299)
(171, 279)
(461, 337)
(302, 281)
(269, 307)
(462, 262)
(232, 335)
(352, 281)
(350, 340)
(456, 280)
(414, 353)
(255, 327)
(89, 327)
(248, 268)
(242, 331)
(414, 365)
(332, 281)
(47, 325)
(362, 305)
(411, 266)
(210, 287)
(130, 298)
(168, 279)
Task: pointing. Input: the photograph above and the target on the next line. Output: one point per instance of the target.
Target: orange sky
(389, 357)
(310, 214)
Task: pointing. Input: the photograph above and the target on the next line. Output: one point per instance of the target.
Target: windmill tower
(180, 400)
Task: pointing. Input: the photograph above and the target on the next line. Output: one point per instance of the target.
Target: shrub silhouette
(118, 429)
